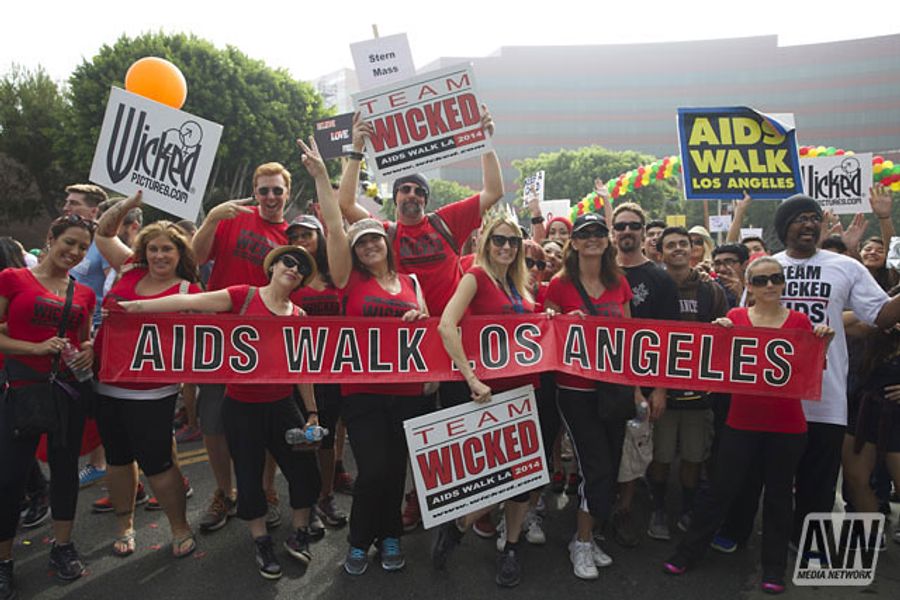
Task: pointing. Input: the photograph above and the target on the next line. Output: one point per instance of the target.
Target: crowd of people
(247, 259)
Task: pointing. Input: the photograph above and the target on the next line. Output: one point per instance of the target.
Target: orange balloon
(157, 79)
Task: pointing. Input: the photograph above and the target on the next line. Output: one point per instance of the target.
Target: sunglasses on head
(276, 191)
(291, 262)
(589, 232)
(763, 280)
(80, 221)
(632, 225)
(498, 240)
(531, 263)
(414, 189)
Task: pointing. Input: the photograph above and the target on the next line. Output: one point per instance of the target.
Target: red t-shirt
(255, 392)
(541, 296)
(318, 303)
(123, 290)
(466, 262)
(563, 294)
(364, 297)
(766, 413)
(420, 249)
(33, 313)
(239, 248)
(491, 299)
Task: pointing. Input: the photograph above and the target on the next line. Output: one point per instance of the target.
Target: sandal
(184, 545)
(124, 545)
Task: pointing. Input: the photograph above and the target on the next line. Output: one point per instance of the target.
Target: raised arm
(492, 176)
(449, 330)
(107, 238)
(352, 211)
(737, 219)
(882, 203)
(206, 235)
(340, 262)
(217, 301)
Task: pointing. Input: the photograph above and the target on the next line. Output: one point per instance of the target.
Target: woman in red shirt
(590, 283)
(761, 433)
(135, 419)
(32, 302)
(363, 266)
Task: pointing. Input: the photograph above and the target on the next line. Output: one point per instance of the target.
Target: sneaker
(316, 527)
(558, 482)
(446, 540)
(89, 475)
(273, 513)
(268, 564)
(65, 560)
(659, 526)
(540, 506)
(153, 502)
(356, 562)
(601, 558)
(676, 565)
(624, 530)
(216, 516)
(582, 556)
(391, 554)
(328, 511)
(684, 522)
(343, 482)
(509, 573)
(484, 527)
(534, 533)
(501, 534)
(411, 515)
(104, 504)
(188, 434)
(574, 482)
(297, 545)
(7, 586)
(38, 512)
(772, 585)
(723, 544)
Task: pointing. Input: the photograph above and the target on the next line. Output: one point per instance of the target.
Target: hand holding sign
(362, 130)
(487, 121)
(481, 393)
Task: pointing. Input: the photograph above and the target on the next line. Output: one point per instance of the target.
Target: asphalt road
(224, 567)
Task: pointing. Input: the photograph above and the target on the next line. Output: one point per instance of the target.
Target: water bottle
(69, 352)
(305, 435)
(643, 412)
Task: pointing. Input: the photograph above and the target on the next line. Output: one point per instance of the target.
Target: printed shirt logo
(806, 292)
(640, 293)
(427, 249)
(252, 246)
(48, 312)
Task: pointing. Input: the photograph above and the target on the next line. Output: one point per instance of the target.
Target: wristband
(537, 220)
(354, 155)
(312, 412)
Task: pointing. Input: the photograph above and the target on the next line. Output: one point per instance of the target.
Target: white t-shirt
(824, 286)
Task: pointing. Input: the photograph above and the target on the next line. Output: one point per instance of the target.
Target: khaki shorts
(637, 452)
(687, 429)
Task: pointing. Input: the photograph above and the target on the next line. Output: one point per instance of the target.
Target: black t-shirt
(655, 293)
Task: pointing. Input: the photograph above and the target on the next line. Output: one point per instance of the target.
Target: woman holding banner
(594, 413)
(497, 284)
(363, 266)
(762, 434)
(135, 419)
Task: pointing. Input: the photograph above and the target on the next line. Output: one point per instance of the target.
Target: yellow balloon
(877, 167)
(157, 79)
(895, 187)
(888, 164)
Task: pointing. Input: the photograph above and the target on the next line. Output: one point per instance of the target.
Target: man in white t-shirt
(823, 285)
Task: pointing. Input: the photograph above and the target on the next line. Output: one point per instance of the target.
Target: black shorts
(138, 430)
(875, 420)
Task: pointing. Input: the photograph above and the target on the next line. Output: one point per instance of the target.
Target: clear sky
(312, 38)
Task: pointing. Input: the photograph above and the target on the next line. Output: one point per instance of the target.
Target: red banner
(229, 348)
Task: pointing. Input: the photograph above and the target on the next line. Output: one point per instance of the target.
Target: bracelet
(354, 155)
(309, 413)
(537, 220)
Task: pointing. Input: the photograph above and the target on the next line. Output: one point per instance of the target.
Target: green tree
(32, 112)
(571, 173)
(263, 110)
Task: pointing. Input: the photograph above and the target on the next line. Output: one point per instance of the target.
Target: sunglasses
(632, 225)
(763, 280)
(414, 189)
(303, 234)
(499, 241)
(597, 232)
(79, 221)
(697, 241)
(291, 262)
(531, 263)
(276, 191)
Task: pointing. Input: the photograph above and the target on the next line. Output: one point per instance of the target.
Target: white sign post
(382, 60)
(839, 183)
(475, 455)
(148, 146)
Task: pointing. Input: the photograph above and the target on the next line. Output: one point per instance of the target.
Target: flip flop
(124, 545)
(184, 545)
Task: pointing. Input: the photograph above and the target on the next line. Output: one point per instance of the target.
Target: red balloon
(877, 160)
(839, 152)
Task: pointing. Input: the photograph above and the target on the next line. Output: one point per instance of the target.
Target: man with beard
(655, 296)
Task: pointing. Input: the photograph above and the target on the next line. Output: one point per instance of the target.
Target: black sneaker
(297, 545)
(7, 587)
(38, 512)
(316, 527)
(64, 559)
(268, 564)
(446, 539)
(509, 572)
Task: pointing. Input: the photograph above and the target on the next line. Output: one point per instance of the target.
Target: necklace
(58, 287)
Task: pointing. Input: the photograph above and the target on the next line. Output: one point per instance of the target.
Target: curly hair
(187, 263)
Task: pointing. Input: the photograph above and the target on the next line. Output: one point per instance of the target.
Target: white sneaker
(541, 506)
(601, 558)
(534, 533)
(501, 534)
(581, 555)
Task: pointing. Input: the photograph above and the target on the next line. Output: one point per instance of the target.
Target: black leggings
(251, 428)
(775, 455)
(17, 458)
(328, 403)
(138, 430)
(375, 425)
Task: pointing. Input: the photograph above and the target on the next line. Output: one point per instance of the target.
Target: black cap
(588, 220)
